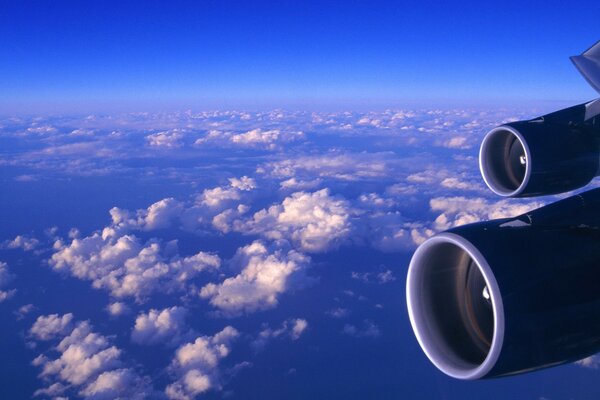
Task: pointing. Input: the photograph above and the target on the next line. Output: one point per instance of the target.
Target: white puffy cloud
(21, 242)
(123, 383)
(86, 362)
(196, 364)
(126, 267)
(158, 326)
(256, 138)
(168, 139)
(47, 327)
(314, 222)
(457, 142)
(265, 275)
(117, 308)
(295, 184)
(218, 196)
(339, 166)
(161, 214)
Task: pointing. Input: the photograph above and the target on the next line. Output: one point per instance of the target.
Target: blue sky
(73, 56)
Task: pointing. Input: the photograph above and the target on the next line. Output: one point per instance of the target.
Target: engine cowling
(552, 154)
(512, 295)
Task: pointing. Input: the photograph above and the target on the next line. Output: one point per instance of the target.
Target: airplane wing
(588, 63)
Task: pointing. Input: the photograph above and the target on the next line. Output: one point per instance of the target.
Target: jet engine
(546, 155)
(512, 295)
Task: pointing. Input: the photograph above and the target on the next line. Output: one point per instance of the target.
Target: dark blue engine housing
(513, 295)
(552, 154)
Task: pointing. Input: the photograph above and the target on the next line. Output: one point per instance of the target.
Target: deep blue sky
(73, 55)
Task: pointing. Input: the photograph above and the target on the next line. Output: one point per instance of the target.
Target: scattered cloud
(86, 362)
(368, 329)
(23, 242)
(292, 329)
(196, 364)
(314, 222)
(5, 279)
(265, 274)
(374, 277)
(159, 326)
(256, 138)
(127, 267)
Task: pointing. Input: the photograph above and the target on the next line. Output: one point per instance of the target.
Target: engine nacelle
(513, 295)
(548, 155)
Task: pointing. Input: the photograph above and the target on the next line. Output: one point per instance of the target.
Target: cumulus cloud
(339, 166)
(256, 138)
(158, 326)
(457, 142)
(295, 184)
(161, 214)
(117, 309)
(218, 196)
(47, 327)
(265, 275)
(291, 328)
(86, 363)
(314, 222)
(23, 242)
(126, 267)
(168, 139)
(196, 364)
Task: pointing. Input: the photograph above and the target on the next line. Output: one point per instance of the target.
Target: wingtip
(588, 64)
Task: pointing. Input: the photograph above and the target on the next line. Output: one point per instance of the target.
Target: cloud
(117, 309)
(338, 312)
(21, 242)
(314, 222)
(48, 327)
(23, 311)
(218, 196)
(161, 214)
(295, 184)
(373, 277)
(126, 267)
(368, 329)
(457, 142)
(256, 138)
(264, 276)
(291, 328)
(168, 139)
(462, 210)
(159, 326)
(339, 166)
(592, 362)
(86, 361)
(5, 279)
(196, 364)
